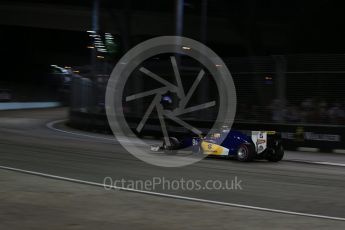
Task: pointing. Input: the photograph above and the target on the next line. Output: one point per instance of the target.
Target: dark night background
(266, 27)
(30, 43)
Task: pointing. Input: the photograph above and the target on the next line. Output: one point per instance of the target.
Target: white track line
(51, 124)
(173, 196)
(316, 162)
(329, 163)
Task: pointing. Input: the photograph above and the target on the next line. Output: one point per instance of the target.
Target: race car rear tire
(277, 154)
(245, 152)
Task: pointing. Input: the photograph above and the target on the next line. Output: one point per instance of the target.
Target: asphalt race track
(27, 143)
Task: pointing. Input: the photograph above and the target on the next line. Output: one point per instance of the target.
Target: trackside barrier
(324, 137)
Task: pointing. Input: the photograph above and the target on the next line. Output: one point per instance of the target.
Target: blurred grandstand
(305, 89)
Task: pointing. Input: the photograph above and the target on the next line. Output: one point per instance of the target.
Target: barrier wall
(326, 138)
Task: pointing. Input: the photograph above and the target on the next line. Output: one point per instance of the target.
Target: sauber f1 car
(242, 145)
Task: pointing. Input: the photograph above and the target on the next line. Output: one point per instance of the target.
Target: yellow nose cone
(211, 148)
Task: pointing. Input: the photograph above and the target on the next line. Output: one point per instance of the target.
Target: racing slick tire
(174, 144)
(197, 150)
(277, 153)
(245, 152)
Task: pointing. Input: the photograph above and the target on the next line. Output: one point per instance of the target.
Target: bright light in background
(100, 57)
(109, 36)
(63, 70)
(91, 31)
(186, 48)
(103, 44)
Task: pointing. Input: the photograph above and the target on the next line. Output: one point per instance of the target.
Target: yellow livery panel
(213, 149)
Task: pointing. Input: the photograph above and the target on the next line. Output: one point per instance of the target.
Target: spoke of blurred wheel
(161, 120)
(159, 79)
(195, 108)
(154, 102)
(146, 93)
(182, 123)
(180, 91)
(186, 99)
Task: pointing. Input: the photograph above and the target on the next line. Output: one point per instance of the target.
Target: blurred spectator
(292, 114)
(277, 111)
(336, 114)
(310, 110)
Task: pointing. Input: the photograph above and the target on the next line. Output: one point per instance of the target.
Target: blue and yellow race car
(242, 145)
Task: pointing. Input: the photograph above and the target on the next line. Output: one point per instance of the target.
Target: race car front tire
(174, 144)
(277, 154)
(197, 149)
(246, 152)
